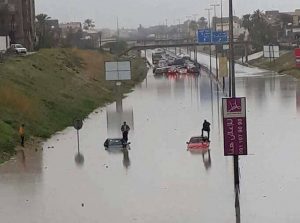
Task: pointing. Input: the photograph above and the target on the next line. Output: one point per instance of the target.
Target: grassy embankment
(283, 65)
(47, 90)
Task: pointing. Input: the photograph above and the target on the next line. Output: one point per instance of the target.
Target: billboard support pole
(236, 157)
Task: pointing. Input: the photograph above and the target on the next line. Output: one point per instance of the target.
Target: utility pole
(222, 29)
(216, 47)
(179, 33)
(118, 32)
(166, 29)
(215, 15)
(233, 95)
(209, 27)
(189, 22)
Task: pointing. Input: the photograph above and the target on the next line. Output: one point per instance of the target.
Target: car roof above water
(115, 141)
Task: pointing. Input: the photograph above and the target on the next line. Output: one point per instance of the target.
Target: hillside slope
(47, 90)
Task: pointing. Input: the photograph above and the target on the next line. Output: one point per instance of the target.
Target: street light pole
(118, 31)
(233, 95)
(222, 29)
(179, 33)
(215, 15)
(209, 27)
(231, 48)
(216, 48)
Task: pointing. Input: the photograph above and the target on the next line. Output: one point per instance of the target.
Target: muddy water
(159, 180)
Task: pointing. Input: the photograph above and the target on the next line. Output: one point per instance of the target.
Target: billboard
(118, 70)
(297, 57)
(271, 51)
(204, 36)
(234, 126)
(219, 37)
(209, 36)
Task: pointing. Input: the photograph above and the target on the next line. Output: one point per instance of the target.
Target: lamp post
(209, 27)
(222, 16)
(215, 15)
(222, 29)
(189, 22)
(233, 95)
(179, 33)
(216, 47)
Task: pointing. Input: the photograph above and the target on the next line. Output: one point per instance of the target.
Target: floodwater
(159, 180)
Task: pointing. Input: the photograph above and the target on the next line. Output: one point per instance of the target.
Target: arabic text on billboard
(234, 126)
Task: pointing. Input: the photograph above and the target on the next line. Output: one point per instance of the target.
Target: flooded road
(159, 180)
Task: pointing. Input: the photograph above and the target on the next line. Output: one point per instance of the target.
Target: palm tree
(246, 22)
(41, 27)
(202, 23)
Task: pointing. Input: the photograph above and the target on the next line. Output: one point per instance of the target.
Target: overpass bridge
(145, 44)
(149, 44)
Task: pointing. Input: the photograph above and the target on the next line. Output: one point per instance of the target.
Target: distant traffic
(168, 63)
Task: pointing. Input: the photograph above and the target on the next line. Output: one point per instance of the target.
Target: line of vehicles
(167, 63)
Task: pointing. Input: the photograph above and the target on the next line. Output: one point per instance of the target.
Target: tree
(193, 26)
(202, 23)
(246, 22)
(260, 31)
(41, 23)
(88, 24)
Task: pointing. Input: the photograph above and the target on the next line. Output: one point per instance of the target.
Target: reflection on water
(27, 161)
(116, 114)
(79, 159)
(263, 89)
(21, 157)
(126, 159)
(256, 88)
(46, 186)
(298, 97)
(179, 89)
(206, 160)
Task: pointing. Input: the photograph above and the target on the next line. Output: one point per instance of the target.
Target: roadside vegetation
(283, 65)
(47, 90)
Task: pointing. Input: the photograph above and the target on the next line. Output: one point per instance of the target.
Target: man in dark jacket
(125, 129)
(206, 128)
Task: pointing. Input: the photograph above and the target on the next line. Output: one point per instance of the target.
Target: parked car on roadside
(16, 49)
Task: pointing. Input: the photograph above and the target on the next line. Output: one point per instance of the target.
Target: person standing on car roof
(206, 128)
(125, 130)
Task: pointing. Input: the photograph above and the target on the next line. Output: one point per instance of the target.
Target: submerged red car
(198, 143)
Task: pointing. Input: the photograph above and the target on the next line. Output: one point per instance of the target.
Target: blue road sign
(207, 36)
(219, 37)
(204, 36)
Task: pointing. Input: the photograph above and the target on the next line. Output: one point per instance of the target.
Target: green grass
(283, 65)
(47, 90)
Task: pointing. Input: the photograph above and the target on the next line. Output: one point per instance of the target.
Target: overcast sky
(131, 13)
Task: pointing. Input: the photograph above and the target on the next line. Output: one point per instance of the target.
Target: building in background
(17, 20)
(72, 27)
(223, 24)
